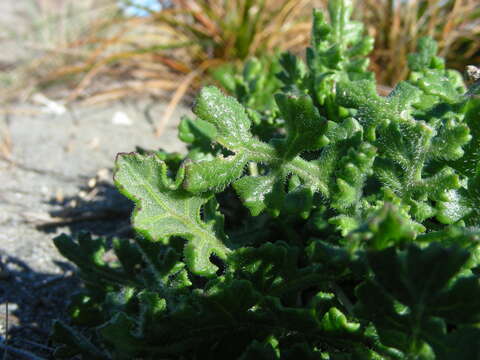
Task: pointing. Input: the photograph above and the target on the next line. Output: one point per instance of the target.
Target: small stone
(120, 118)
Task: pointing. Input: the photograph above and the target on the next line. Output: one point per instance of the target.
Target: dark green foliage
(311, 219)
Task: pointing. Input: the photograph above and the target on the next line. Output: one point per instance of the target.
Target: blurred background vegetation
(101, 50)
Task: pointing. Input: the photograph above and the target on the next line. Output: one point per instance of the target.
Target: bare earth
(58, 179)
(54, 178)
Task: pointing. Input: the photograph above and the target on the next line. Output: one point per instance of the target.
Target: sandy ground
(58, 179)
(54, 178)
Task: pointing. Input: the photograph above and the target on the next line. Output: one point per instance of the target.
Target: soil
(56, 177)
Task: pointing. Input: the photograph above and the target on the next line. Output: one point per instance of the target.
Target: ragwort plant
(333, 223)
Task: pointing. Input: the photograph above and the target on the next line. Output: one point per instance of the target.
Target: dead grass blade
(180, 93)
(398, 25)
(135, 55)
(192, 30)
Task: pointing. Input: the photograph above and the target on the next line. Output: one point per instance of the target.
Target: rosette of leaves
(349, 233)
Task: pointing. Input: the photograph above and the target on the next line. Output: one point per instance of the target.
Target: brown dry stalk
(6, 145)
(6, 142)
(398, 25)
(121, 42)
(180, 93)
(148, 54)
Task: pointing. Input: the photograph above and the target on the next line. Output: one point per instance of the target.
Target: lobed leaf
(226, 114)
(163, 211)
(305, 127)
(412, 314)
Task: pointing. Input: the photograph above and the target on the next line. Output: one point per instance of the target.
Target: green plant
(333, 224)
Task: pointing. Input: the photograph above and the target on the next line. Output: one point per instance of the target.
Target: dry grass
(43, 35)
(398, 25)
(191, 35)
(173, 49)
(102, 56)
(154, 54)
(169, 51)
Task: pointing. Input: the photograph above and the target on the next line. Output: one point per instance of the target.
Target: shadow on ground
(99, 209)
(36, 299)
(31, 301)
